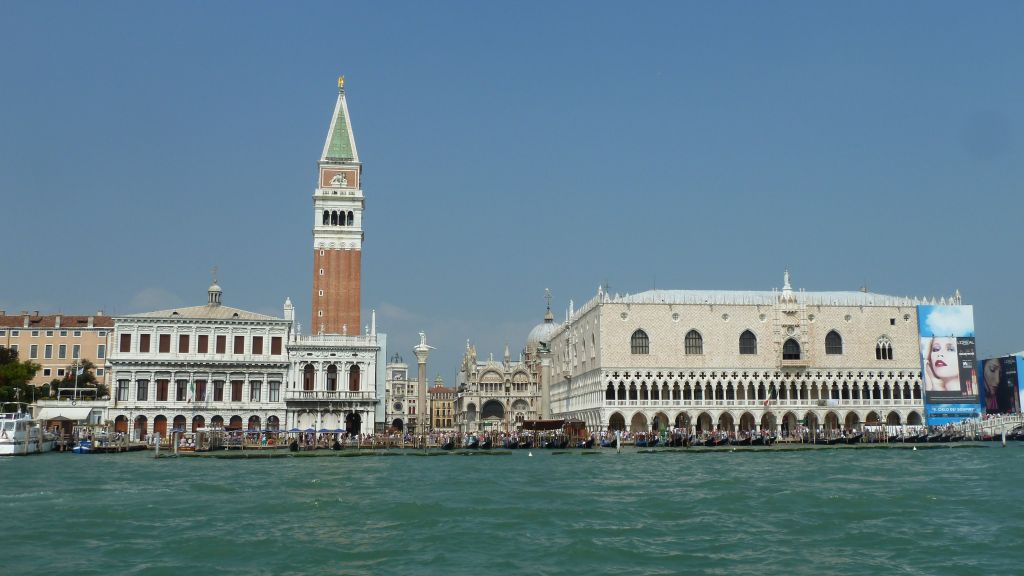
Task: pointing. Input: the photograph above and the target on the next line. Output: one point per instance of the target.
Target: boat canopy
(75, 413)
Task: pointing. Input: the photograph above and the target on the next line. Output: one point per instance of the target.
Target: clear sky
(510, 147)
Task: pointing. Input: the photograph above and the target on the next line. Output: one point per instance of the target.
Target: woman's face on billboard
(992, 374)
(943, 358)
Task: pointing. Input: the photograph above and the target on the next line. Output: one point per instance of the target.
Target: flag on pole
(771, 396)
(80, 371)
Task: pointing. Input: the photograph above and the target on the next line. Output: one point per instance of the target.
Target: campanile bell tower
(337, 228)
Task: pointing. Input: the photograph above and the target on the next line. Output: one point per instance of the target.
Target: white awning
(64, 413)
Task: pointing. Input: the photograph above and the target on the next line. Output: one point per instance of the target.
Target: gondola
(473, 443)
(759, 441)
(448, 444)
(556, 444)
(920, 438)
(511, 443)
(585, 444)
(855, 438)
(744, 441)
(486, 444)
(606, 443)
(723, 441)
(526, 444)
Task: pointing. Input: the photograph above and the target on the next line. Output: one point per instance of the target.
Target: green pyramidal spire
(341, 143)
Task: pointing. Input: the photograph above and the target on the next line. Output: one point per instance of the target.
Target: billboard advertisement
(948, 363)
(1000, 386)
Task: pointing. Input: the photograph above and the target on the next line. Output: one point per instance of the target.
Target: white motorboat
(20, 435)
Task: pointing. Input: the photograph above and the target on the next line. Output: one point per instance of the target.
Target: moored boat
(20, 435)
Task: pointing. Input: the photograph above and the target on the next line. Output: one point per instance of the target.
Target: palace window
(202, 344)
(62, 351)
(161, 390)
(254, 390)
(222, 344)
(101, 351)
(748, 343)
(257, 344)
(275, 345)
(694, 342)
(122, 390)
(833, 343)
(639, 343)
(142, 390)
(143, 342)
(239, 345)
(182, 343)
(275, 392)
(180, 390)
(791, 350)
(218, 390)
(236, 390)
(164, 344)
(126, 343)
(33, 351)
(883, 349)
(76, 351)
(48, 351)
(200, 391)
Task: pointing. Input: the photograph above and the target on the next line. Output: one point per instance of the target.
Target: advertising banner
(1000, 389)
(1020, 375)
(948, 363)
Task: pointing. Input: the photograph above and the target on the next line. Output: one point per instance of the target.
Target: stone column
(423, 411)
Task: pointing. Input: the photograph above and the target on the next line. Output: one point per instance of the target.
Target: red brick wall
(341, 285)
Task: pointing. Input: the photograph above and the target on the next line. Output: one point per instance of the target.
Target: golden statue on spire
(341, 82)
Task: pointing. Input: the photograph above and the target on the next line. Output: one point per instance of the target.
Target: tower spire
(338, 226)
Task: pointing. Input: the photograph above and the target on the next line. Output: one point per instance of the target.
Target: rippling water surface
(828, 511)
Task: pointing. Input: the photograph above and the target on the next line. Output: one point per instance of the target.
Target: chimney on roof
(35, 313)
(91, 320)
(24, 320)
(56, 321)
(3, 312)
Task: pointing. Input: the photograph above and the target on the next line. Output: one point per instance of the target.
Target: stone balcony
(329, 396)
(784, 403)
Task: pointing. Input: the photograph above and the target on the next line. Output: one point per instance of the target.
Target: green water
(827, 511)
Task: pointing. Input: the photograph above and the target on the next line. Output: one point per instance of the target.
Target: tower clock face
(398, 406)
(398, 375)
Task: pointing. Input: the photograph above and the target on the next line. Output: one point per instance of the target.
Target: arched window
(327, 217)
(694, 342)
(883, 349)
(353, 379)
(351, 219)
(748, 343)
(639, 343)
(791, 350)
(833, 343)
(334, 218)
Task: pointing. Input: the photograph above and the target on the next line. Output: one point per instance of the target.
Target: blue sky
(513, 147)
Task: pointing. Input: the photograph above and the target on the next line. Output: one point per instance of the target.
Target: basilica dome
(541, 332)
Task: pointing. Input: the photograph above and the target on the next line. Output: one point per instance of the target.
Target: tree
(15, 377)
(87, 379)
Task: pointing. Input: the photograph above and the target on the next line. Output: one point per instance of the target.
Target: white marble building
(737, 360)
(494, 396)
(199, 366)
(336, 382)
